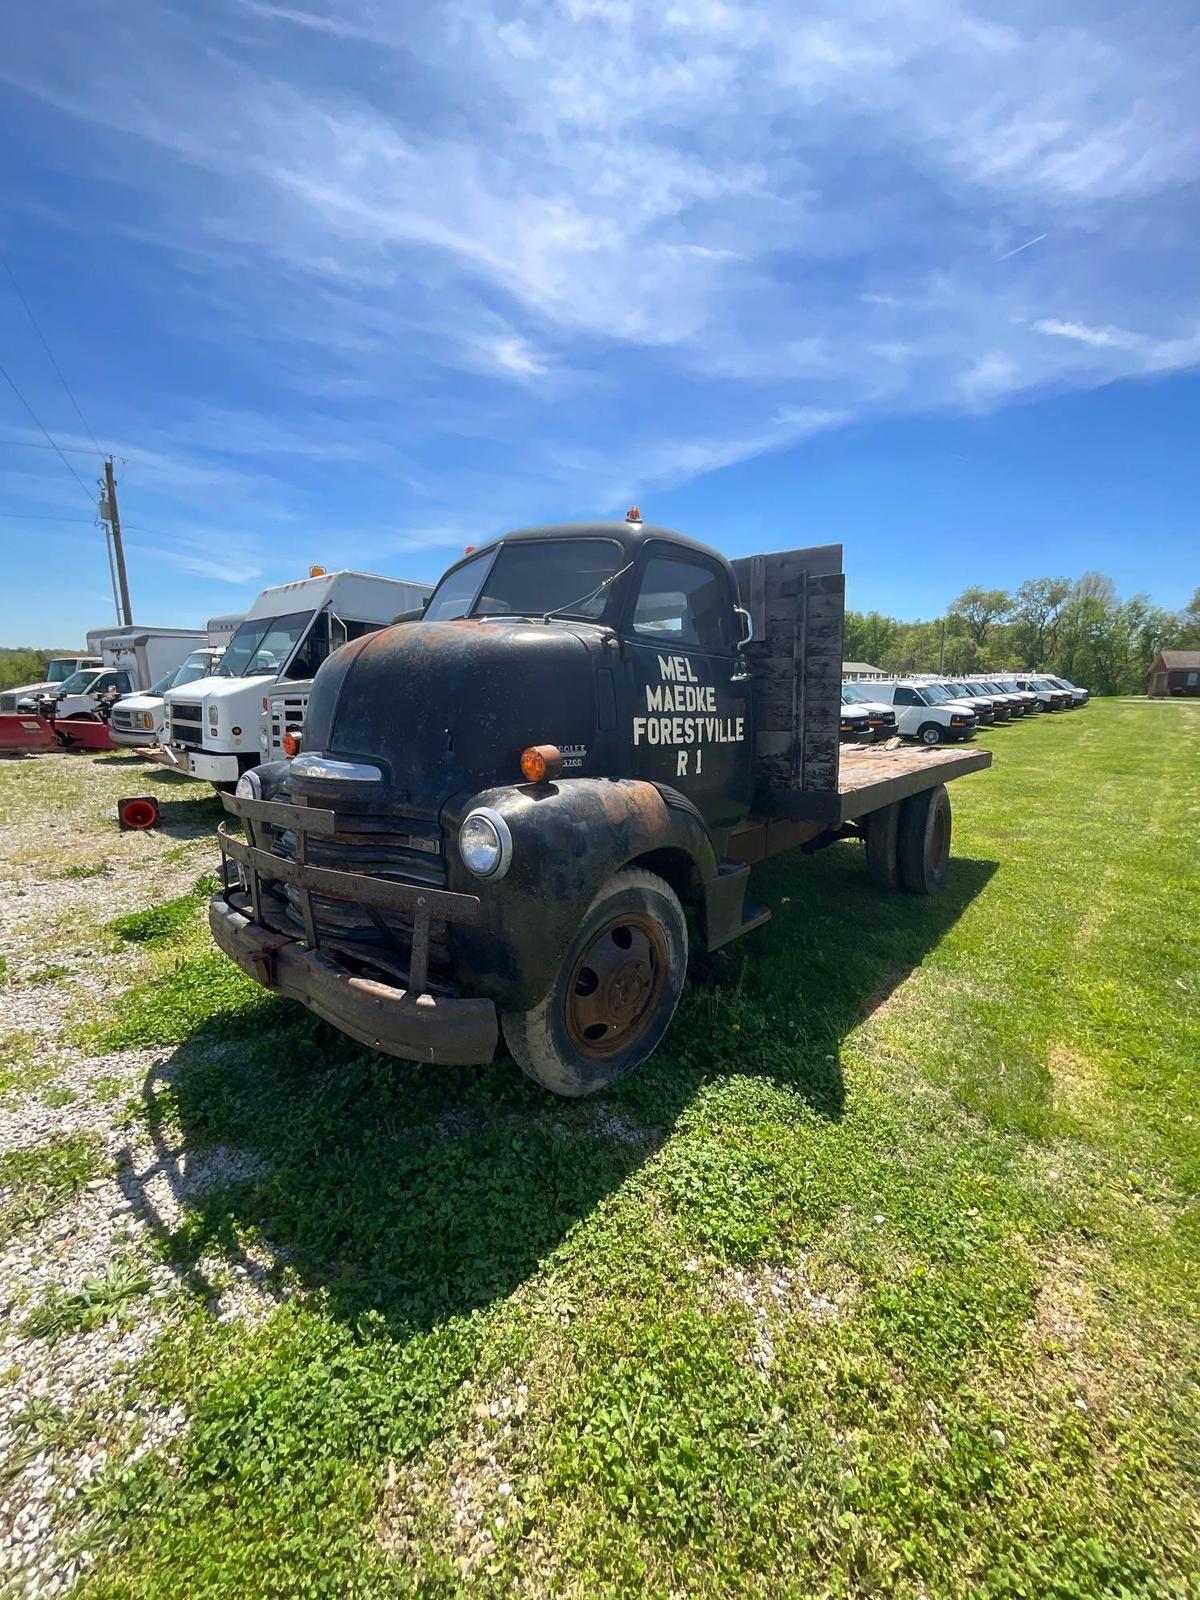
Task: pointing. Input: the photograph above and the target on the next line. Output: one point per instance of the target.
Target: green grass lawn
(881, 1279)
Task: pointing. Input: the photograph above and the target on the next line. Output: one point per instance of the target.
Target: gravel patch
(775, 1296)
(70, 1406)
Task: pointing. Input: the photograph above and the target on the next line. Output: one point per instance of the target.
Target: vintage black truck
(512, 816)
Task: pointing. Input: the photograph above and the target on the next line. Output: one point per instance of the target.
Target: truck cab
(140, 720)
(85, 694)
(504, 815)
(26, 695)
(290, 630)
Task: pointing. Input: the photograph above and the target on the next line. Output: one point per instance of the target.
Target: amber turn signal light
(290, 743)
(541, 763)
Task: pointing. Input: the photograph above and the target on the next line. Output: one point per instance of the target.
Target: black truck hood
(448, 707)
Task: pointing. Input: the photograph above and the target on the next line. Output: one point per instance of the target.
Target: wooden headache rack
(796, 600)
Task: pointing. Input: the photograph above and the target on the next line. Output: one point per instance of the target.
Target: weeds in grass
(48, 974)
(94, 869)
(38, 1181)
(98, 1300)
(161, 923)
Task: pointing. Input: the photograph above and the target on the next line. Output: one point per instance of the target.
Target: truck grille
(121, 719)
(187, 726)
(401, 849)
(286, 711)
(8, 702)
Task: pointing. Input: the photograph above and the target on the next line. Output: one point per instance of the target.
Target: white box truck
(213, 727)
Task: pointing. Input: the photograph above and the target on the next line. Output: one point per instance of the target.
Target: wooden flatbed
(871, 776)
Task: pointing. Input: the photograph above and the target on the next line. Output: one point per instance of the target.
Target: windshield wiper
(570, 605)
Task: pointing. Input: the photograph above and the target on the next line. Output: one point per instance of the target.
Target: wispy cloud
(429, 274)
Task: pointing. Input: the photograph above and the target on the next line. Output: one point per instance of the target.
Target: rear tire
(615, 993)
(930, 733)
(883, 849)
(924, 840)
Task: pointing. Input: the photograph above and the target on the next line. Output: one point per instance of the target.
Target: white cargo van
(213, 728)
(926, 711)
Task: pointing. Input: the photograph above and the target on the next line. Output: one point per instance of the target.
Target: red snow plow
(28, 731)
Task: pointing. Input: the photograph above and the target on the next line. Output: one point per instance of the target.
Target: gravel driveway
(70, 1397)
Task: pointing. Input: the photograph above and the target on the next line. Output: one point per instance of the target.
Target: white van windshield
(59, 671)
(261, 648)
(196, 666)
(934, 694)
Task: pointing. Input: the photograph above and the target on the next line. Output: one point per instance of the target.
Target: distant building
(1175, 672)
(861, 669)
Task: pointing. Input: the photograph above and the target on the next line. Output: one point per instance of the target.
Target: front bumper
(208, 767)
(403, 1018)
(446, 1031)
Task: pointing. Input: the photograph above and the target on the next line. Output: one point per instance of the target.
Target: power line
(45, 346)
(66, 449)
(53, 445)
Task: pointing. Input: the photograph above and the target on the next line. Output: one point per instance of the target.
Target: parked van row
(938, 710)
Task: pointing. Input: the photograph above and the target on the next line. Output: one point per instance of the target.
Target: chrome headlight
(485, 844)
(249, 786)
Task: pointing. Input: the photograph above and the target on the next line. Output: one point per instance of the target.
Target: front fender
(568, 839)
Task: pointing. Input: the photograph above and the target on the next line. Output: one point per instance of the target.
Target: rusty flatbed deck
(870, 776)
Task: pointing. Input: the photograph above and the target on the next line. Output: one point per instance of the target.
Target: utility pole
(942, 650)
(111, 515)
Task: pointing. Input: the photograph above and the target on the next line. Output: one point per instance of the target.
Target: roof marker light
(633, 515)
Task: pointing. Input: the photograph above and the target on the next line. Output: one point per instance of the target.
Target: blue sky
(364, 284)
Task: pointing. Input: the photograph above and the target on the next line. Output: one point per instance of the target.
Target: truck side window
(312, 651)
(105, 682)
(683, 602)
(906, 697)
(122, 682)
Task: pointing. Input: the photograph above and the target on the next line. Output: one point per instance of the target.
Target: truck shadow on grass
(421, 1193)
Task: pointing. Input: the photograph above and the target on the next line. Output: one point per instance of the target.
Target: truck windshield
(855, 693)
(196, 666)
(934, 694)
(80, 682)
(59, 671)
(262, 647)
(529, 579)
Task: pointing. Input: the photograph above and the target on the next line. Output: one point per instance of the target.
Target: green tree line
(24, 665)
(1082, 630)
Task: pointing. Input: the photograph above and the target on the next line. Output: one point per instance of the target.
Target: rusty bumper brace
(405, 1022)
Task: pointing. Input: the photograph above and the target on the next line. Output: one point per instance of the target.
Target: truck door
(688, 697)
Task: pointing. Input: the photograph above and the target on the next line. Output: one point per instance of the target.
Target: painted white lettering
(667, 666)
(681, 763)
(699, 762)
(654, 696)
(639, 728)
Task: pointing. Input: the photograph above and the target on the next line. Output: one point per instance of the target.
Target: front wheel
(615, 993)
(930, 733)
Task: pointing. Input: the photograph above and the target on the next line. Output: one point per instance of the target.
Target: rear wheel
(930, 733)
(924, 840)
(882, 836)
(615, 993)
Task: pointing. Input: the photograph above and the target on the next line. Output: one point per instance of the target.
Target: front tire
(615, 993)
(930, 733)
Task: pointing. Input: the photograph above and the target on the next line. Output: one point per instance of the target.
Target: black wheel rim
(614, 989)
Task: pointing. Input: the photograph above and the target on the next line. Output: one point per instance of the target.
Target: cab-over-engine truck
(510, 816)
